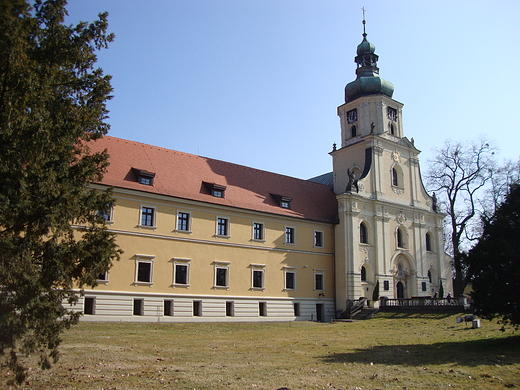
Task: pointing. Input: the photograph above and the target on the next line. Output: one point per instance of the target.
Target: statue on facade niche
(352, 181)
(435, 207)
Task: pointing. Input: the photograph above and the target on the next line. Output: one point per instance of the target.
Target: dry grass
(387, 352)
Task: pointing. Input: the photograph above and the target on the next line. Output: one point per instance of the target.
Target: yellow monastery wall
(162, 243)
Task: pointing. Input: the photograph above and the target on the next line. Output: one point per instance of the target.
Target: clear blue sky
(257, 82)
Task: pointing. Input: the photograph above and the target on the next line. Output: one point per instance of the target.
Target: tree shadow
(502, 351)
(416, 314)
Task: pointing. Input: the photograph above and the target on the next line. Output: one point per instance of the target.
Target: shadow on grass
(416, 314)
(501, 351)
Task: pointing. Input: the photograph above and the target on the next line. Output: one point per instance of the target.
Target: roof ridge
(216, 160)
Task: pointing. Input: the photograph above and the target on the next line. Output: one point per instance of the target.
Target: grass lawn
(390, 351)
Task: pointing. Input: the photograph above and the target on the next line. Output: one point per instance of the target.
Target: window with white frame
(221, 274)
(289, 278)
(147, 217)
(102, 278)
(143, 270)
(318, 239)
(319, 280)
(222, 227)
(107, 214)
(181, 272)
(258, 231)
(257, 276)
(183, 221)
(289, 235)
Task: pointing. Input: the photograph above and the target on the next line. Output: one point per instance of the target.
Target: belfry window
(392, 114)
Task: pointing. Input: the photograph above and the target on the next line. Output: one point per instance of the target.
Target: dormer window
(216, 190)
(144, 177)
(283, 201)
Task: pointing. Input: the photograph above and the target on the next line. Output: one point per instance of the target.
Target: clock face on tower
(352, 116)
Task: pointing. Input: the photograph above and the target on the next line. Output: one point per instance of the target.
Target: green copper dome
(365, 47)
(368, 81)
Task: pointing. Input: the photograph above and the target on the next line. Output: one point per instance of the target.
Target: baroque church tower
(389, 236)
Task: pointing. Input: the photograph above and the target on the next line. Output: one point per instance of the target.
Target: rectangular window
(147, 216)
(147, 181)
(258, 231)
(258, 279)
(289, 235)
(386, 285)
(319, 280)
(290, 279)
(318, 239)
(138, 307)
(230, 309)
(197, 308)
(221, 274)
(89, 305)
(181, 274)
(217, 193)
(143, 270)
(106, 213)
(423, 284)
(222, 227)
(183, 222)
(103, 277)
(297, 312)
(262, 309)
(168, 307)
(221, 277)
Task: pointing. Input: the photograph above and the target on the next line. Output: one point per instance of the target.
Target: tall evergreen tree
(494, 264)
(53, 238)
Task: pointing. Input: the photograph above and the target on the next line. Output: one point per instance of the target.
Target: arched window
(400, 238)
(363, 274)
(391, 128)
(428, 242)
(430, 276)
(363, 233)
(353, 131)
(395, 178)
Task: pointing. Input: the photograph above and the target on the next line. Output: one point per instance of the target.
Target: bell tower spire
(367, 81)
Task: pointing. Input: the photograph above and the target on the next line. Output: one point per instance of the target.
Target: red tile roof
(184, 175)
